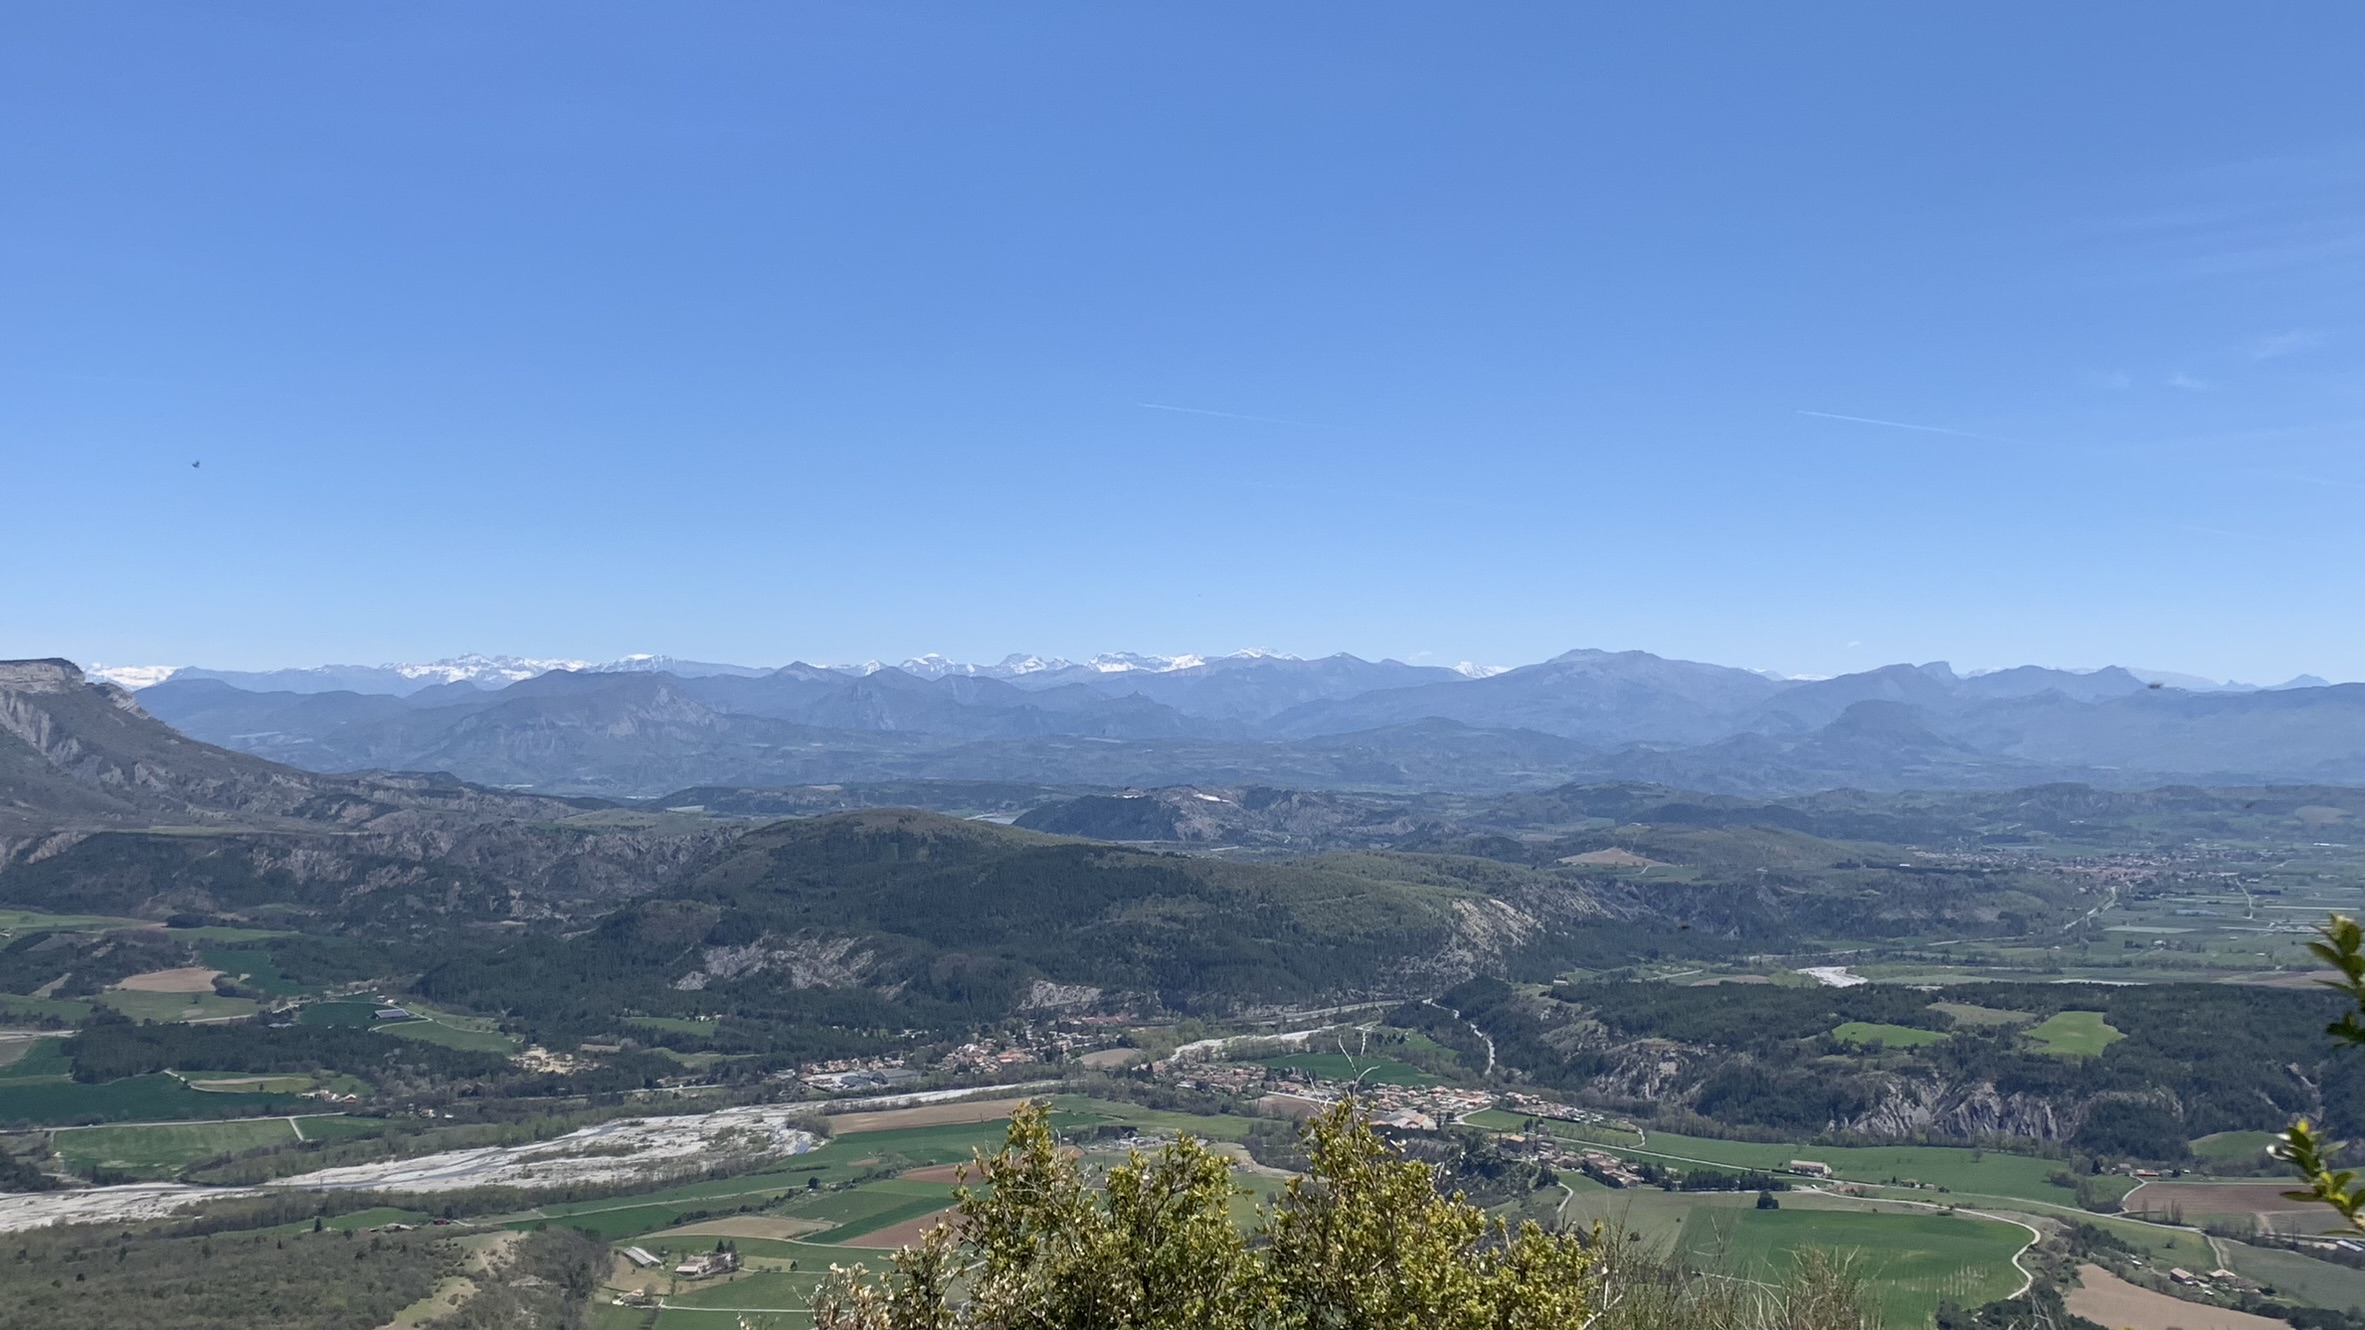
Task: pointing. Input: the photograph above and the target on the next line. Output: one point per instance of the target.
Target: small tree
(1361, 1241)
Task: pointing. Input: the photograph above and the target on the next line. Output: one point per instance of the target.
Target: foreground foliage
(1362, 1239)
(2309, 1153)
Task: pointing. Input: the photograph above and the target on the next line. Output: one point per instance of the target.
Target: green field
(1934, 1167)
(779, 1288)
(1342, 1067)
(869, 1208)
(155, 1097)
(163, 1151)
(325, 1126)
(2234, 1147)
(1912, 1261)
(2320, 1283)
(614, 1222)
(450, 1036)
(2073, 1034)
(338, 1013)
(1888, 1036)
(69, 1010)
(254, 967)
(374, 1217)
(167, 1008)
(42, 1059)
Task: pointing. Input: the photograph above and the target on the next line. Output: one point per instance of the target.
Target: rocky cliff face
(87, 777)
(1975, 1110)
(73, 749)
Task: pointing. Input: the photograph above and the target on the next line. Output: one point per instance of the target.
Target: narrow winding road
(1483, 1036)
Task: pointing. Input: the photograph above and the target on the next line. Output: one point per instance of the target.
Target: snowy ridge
(476, 668)
(499, 671)
(1014, 666)
(133, 677)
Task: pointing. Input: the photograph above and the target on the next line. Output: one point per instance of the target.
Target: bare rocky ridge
(101, 806)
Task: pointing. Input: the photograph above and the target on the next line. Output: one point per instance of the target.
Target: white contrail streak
(1899, 424)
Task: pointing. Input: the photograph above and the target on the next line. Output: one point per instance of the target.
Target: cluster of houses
(850, 1076)
(1535, 1106)
(1215, 1077)
(1405, 1107)
(1607, 1169)
(1290, 1092)
(985, 1056)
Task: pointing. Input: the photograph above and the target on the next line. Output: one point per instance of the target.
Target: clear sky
(1796, 337)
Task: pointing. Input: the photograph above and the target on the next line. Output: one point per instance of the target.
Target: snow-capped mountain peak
(477, 668)
(399, 678)
(133, 677)
(935, 666)
(1126, 662)
(641, 662)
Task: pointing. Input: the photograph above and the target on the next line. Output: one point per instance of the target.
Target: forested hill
(942, 919)
(2167, 1063)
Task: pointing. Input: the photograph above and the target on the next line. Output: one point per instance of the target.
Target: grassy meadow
(2081, 1034)
(1912, 1261)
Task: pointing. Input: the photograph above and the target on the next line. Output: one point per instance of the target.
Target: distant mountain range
(647, 725)
(400, 679)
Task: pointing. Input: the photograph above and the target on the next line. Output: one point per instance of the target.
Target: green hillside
(959, 919)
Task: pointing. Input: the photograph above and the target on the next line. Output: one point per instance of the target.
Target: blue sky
(768, 330)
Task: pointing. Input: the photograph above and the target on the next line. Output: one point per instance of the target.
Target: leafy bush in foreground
(1361, 1239)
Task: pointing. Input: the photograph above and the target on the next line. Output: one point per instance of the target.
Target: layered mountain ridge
(649, 725)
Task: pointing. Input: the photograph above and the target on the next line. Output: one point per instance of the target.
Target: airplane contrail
(1899, 424)
(1229, 415)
